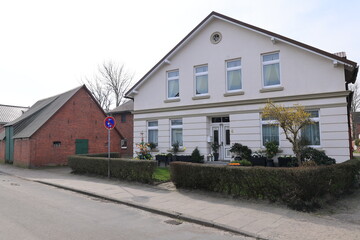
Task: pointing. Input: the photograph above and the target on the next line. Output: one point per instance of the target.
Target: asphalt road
(30, 210)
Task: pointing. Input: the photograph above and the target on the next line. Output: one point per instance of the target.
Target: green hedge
(124, 169)
(302, 188)
(105, 155)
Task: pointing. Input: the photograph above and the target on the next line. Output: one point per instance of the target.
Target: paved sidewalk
(256, 219)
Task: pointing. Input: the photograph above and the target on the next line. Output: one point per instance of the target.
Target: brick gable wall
(79, 118)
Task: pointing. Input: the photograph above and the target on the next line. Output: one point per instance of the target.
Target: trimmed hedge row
(124, 169)
(303, 188)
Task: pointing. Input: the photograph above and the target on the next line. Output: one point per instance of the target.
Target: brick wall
(126, 129)
(79, 118)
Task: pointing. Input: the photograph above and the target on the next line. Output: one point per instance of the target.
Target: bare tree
(117, 79)
(109, 84)
(355, 104)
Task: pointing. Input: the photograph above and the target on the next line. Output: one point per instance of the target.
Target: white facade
(306, 77)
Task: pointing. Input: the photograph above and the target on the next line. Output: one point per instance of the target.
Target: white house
(212, 85)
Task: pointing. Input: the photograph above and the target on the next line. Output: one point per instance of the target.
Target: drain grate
(173, 222)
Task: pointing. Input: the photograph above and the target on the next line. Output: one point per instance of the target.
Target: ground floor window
(153, 132)
(270, 132)
(176, 131)
(311, 132)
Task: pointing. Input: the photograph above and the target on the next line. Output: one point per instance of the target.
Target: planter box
(287, 161)
(258, 161)
(162, 158)
(183, 158)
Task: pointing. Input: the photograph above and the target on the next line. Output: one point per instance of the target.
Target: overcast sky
(48, 46)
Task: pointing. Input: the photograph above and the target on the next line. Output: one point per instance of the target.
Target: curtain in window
(234, 79)
(312, 134)
(270, 133)
(176, 136)
(173, 88)
(153, 136)
(202, 84)
(271, 74)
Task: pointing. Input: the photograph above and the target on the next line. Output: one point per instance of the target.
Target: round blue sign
(109, 123)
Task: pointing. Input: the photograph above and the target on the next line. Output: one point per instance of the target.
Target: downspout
(349, 100)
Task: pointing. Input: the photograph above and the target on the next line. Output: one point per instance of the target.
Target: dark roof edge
(4, 105)
(300, 44)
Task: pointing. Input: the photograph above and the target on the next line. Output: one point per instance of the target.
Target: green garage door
(82, 146)
(9, 144)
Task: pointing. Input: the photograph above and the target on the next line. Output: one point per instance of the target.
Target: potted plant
(215, 149)
(175, 149)
(272, 148)
(152, 146)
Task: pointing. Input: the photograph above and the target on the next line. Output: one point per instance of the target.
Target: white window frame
(176, 127)
(233, 69)
(201, 74)
(124, 140)
(269, 63)
(268, 122)
(172, 79)
(152, 128)
(316, 120)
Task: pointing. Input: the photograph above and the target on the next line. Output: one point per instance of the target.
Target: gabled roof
(27, 124)
(351, 67)
(125, 107)
(9, 113)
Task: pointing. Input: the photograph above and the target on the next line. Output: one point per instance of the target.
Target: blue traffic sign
(109, 123)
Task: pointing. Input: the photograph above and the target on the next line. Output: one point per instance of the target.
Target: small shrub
(319, 157)
(357, 142)
(196, 157)
(241, 151)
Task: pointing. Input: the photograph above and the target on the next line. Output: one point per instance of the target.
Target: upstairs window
(173, 84)
(201, 80)
(311, 132)
(153, 132)
(233, 75)
(271, 69)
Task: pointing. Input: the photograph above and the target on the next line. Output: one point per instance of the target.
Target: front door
(221, 135)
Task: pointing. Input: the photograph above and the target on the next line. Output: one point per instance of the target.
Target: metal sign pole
(109, 153)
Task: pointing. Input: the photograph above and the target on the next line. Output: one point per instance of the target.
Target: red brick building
(125, 124)
(56, 127)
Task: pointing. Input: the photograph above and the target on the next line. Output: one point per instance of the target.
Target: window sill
(172, 100)
(201, 97)
(229, 94)
(271, 89)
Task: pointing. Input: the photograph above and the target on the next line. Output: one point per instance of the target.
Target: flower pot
(216, 156)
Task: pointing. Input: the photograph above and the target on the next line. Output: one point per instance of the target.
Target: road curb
(171, 214)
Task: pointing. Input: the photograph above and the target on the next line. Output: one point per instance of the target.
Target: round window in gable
(215, 38)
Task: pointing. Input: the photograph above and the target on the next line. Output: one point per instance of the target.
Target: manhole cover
(173, 222)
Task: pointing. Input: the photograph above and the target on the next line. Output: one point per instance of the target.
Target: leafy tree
(291, 120)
